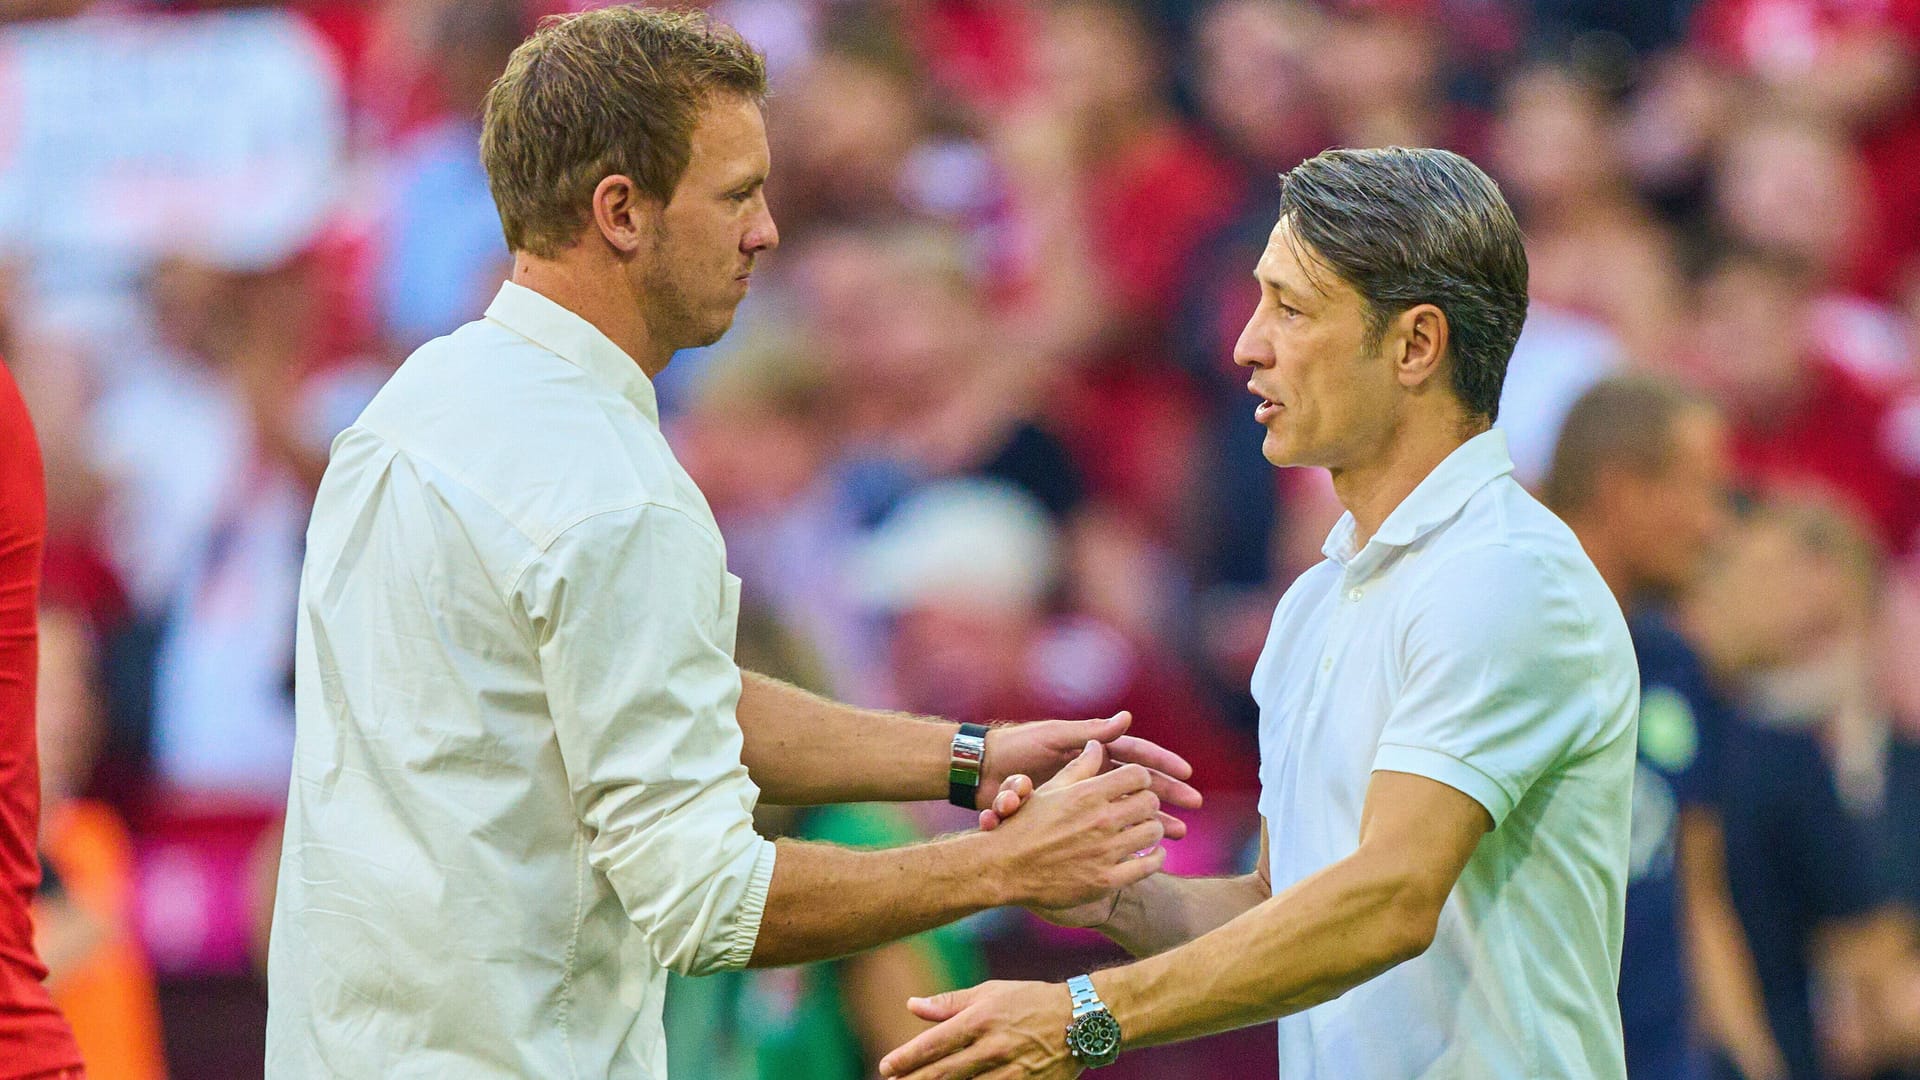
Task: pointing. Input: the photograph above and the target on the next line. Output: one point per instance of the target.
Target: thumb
(940, 1006)
(1087, 765)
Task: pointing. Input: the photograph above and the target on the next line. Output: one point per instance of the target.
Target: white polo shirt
(1470, 641)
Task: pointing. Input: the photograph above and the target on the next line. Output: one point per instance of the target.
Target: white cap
(979, 543)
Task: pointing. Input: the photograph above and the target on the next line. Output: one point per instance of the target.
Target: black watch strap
(964, 764)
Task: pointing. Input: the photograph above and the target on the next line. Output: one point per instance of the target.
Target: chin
(1275, 452)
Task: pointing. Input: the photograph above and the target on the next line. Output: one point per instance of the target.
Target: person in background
(1797, 416)
(1777, 619)
(97, 973)
(35, 1040)
(1640, 474)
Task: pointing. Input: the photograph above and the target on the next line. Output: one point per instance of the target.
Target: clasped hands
(1017, 1030)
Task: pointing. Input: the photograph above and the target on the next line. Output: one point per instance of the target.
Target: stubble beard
(672, 318)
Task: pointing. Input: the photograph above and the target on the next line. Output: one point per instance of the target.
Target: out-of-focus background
(977, 441)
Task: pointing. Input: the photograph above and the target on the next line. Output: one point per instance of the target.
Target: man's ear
(1422, 333)
(626, 217)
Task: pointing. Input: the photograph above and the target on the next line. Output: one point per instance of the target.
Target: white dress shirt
(517, 795)
(1472, 642)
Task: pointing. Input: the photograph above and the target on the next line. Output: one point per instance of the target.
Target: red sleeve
(33, 1036)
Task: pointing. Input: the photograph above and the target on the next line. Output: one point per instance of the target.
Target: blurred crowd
(976, 440)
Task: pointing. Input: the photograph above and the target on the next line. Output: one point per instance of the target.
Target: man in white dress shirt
(525, 760)
(1448, 704)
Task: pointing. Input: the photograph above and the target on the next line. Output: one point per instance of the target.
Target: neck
(1371, 491)
(581, 284)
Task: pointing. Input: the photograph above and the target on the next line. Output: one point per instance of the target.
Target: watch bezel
(1085, 1035)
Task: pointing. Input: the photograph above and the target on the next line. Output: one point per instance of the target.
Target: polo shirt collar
(575, 340)
(1473, 465)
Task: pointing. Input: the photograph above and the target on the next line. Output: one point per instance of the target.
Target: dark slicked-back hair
(611, 91)
(1624, 422)
(1406, 227)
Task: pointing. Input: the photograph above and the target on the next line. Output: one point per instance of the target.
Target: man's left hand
(994, 1031)
(1044, 747)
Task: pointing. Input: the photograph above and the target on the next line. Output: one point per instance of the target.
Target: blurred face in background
(1328, 395)
(1554, 145)
(952, 657)
(896, 315)
(1792, 187)
(1097, 61)
(1751, 334)
(1780, 598)
(1252, 76)
(1377, 61)
(711, 231)
(1670, 519)
(848, 126)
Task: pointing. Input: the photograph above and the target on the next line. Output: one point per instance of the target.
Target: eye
(1286, 309)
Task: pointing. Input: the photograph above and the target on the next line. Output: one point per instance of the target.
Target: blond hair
(613, 91)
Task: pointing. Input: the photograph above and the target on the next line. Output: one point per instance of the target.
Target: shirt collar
(575, 340)
(1473, 465)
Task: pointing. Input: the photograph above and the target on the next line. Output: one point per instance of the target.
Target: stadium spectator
(97, 972)
(1852, 65)
(965, 570)
(1641, 473)
(443, 249)
(1798, 415)
(1775, 619)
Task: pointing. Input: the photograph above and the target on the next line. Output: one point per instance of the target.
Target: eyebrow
(1273, 283)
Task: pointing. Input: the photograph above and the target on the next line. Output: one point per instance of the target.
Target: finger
(1115, 783)
(1020, 784)
(1006, 804)
(1142, 836)
(989, 820)
(1107, 729)
(1176, 829)
(1134, 809)
(925, 1048)
(1135, 870)
(1091, 760)
(973, 1061)
(940, 1007)
(1176, 792)
(1140, 751)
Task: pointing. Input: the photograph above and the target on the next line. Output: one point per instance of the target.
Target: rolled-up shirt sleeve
(1502, 679)
(633, 615)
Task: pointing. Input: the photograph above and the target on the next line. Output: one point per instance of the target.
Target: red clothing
(34, 1038)
(1790, 37)
(1848, 436)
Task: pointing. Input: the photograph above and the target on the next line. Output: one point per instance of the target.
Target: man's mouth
(1267, 409)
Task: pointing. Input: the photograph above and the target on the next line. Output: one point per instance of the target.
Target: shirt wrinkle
(499, 840)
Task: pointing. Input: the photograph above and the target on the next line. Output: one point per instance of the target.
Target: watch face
(1095, 1038)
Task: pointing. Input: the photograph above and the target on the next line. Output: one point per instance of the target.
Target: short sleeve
(1503, 677)
(632, 613)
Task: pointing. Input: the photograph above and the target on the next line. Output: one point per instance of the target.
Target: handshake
(1068, 847)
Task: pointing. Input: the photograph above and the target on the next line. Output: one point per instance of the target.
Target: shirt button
(1326, 663)
(1353, 594)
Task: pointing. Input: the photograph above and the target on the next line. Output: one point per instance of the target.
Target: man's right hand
(1080, 838)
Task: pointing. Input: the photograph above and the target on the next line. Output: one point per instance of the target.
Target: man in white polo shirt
(1448, 704)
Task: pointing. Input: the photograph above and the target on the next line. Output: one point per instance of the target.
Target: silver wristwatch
(1093, 1035)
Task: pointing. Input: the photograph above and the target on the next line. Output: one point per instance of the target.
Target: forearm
(804, 750)
(1329, 933)
(827, 901)
(1728, 987)
(1165, 911)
